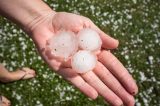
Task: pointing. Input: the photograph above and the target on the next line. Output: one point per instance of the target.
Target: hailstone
(89, 39)
(63, 44)
(83, 61)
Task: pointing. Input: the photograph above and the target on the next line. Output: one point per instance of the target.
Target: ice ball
(63, 44)
(83, 61)
(89, 39)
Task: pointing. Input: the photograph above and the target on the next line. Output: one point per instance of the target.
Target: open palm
(109, 78)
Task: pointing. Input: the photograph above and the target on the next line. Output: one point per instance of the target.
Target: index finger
(119, 71)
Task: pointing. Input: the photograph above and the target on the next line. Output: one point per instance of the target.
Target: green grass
(135, 24)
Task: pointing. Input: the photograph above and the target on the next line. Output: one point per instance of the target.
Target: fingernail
(133, 93)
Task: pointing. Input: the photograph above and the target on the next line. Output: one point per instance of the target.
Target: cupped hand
(110, 79)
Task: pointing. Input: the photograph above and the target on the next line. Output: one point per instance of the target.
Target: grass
(135, 23)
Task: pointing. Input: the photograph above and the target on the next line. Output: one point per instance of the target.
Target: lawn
(136, 23)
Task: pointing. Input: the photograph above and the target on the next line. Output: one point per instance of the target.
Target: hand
(109, 78)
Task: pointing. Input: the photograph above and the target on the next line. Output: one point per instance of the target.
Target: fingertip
(131, 101)
(118, 102)
(90, 91)
(34, 73)
(132, 87)
(94, 95)
(108, 41)
(134, 90)
(116, 43)
(114, 101)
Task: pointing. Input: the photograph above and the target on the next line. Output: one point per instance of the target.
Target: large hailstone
(89, 39)
(83, 61)
(63, 44)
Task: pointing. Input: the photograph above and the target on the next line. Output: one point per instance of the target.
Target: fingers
(102, 89)
(77, 81)
(111, 82)
(107, 41)
(29, 71)
(119, 71)
(5, 101)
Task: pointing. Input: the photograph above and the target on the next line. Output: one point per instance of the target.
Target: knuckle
(119, 88)
(117, 102)
(123, 75)
(86, 24)
(102, 54)
(131, 101)
(77, 28)
(134, 89)
(91, 80)
(105, 75)
(81, 84)
(113, 62)
(87, 19)
(81, 22)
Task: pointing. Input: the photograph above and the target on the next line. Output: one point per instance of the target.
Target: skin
(7, 76)
(5, 101)
(110, 79)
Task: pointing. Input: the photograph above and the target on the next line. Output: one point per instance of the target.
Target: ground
(136, 23)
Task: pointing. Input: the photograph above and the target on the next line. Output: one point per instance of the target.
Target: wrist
(39, 27)
(36, 19)
(24, 12)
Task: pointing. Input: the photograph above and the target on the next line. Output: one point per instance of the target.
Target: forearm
(23, 12)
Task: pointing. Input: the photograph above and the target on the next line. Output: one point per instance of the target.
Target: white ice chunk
(63, 44)
(150, 58)
(83, 61)
(89, 39)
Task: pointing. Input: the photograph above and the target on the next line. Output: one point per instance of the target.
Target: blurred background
(136, 23)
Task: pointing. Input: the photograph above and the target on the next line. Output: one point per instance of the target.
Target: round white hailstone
(63, 44)
(83, 61)
(89, 39)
